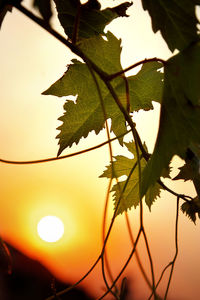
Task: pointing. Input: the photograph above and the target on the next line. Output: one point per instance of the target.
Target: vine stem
(136, 252)
(125, 265)
(172, 263)
(141, 213)
(115, 294)
(104, 229)
(176, 252)
(144, 61)
(29, 162)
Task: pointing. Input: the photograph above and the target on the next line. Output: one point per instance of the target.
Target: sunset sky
(31, 60)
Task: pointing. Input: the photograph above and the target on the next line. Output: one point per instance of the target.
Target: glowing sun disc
(50, 229)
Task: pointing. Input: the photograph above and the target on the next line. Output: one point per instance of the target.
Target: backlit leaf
(86, 114)
(127, 191)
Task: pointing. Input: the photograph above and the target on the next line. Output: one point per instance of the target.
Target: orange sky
(30, 61)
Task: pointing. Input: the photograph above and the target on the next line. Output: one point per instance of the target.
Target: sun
(50, 229)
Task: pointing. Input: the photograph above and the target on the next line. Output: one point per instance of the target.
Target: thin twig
(176, 245)
(141, 211)
(184, 197)
(29, 162)
(125, 265)
(136, 252)
(144, 61)
(151, 264)
(104, 230)
(171, 263)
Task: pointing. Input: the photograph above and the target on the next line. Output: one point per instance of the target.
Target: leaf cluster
(126, 191)
(103, 91)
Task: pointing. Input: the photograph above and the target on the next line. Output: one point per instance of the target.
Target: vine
(115, 96)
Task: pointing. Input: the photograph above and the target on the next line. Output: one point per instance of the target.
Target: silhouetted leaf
(191, 170)
(175, 19)
(179, 127)
(44, 7)
(89, 19)
(191, 208)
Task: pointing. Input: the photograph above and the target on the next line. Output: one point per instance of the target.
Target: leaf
(191, 208)
(127, 191)
(44, 7)
(90, 19)
(191, 170)
(180, 113)
(175, 19)
(86, 114)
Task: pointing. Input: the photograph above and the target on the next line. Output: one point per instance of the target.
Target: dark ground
(29, 280)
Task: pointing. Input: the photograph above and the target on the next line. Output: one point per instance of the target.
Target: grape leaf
(44, 7)
(191, 209)
(127, 191)
(92, 20)
(175, 19)
(86, 114)
(180, 113)
(191, 170)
